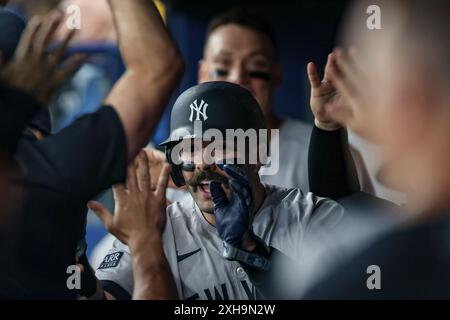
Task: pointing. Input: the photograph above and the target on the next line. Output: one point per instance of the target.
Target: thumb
(218, 195)
(103, 213)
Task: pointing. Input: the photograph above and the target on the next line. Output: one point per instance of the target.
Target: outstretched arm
(32, 75)
(139, 222)
(154, 67)
(331, 168)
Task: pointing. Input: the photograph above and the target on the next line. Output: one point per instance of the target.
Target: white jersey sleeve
(115, 271)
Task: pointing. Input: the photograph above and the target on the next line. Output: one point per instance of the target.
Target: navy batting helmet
(218, 105)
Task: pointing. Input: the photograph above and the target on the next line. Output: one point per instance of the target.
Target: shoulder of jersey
(279, 195)
(181, 209)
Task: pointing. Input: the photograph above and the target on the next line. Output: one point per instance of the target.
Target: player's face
(243, 56)
(204, 170)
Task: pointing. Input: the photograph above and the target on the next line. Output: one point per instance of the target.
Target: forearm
(144, 41)
(331, 168)
(154, 67)
(153, 278)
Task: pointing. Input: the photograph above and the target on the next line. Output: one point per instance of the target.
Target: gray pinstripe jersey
(194, 249)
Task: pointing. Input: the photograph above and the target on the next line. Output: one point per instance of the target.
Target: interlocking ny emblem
(199, 109)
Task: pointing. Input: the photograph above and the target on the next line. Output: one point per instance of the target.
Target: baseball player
(229, 226)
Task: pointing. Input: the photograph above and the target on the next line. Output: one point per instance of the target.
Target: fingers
(143, 172)
(218, 195)
(163, 181)
(104, 215)
(46, 33)
(313, 75)
(349, 73)
(58, 76)
(341, 79)
(242, 192)
(330, 61)
(155, 155)
(156, 160)
(348, 78)
(236, 173)
(120, 193)
(28, 37)
(154, 164)
(131, 183)
(345, 65)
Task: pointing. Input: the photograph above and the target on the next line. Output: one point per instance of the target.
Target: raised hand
(347, 75)
(156, 162)
(35, 70)
(140, 212)
(324, 95)
(235, 216)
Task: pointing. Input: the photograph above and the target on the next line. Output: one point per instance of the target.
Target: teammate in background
(241, 48)
(67, 169)
(211, 225)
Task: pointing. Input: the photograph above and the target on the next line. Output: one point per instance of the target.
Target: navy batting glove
(233, 217)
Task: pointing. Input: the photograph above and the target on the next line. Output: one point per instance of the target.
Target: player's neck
(209, 217)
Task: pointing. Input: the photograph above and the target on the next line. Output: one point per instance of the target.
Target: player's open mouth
(204, 187)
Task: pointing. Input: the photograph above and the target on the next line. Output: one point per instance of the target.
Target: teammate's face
(243, 56)
(405, 112)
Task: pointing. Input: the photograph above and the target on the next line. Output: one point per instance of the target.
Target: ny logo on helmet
(199, 109)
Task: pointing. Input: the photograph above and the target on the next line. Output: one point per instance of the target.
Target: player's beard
(206, 176)
(206, 206)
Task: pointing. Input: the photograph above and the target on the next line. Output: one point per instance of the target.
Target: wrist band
(257, 261)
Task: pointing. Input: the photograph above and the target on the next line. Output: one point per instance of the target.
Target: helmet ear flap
(176, 174)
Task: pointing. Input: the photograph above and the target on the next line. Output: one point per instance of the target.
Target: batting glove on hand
(234, 217)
